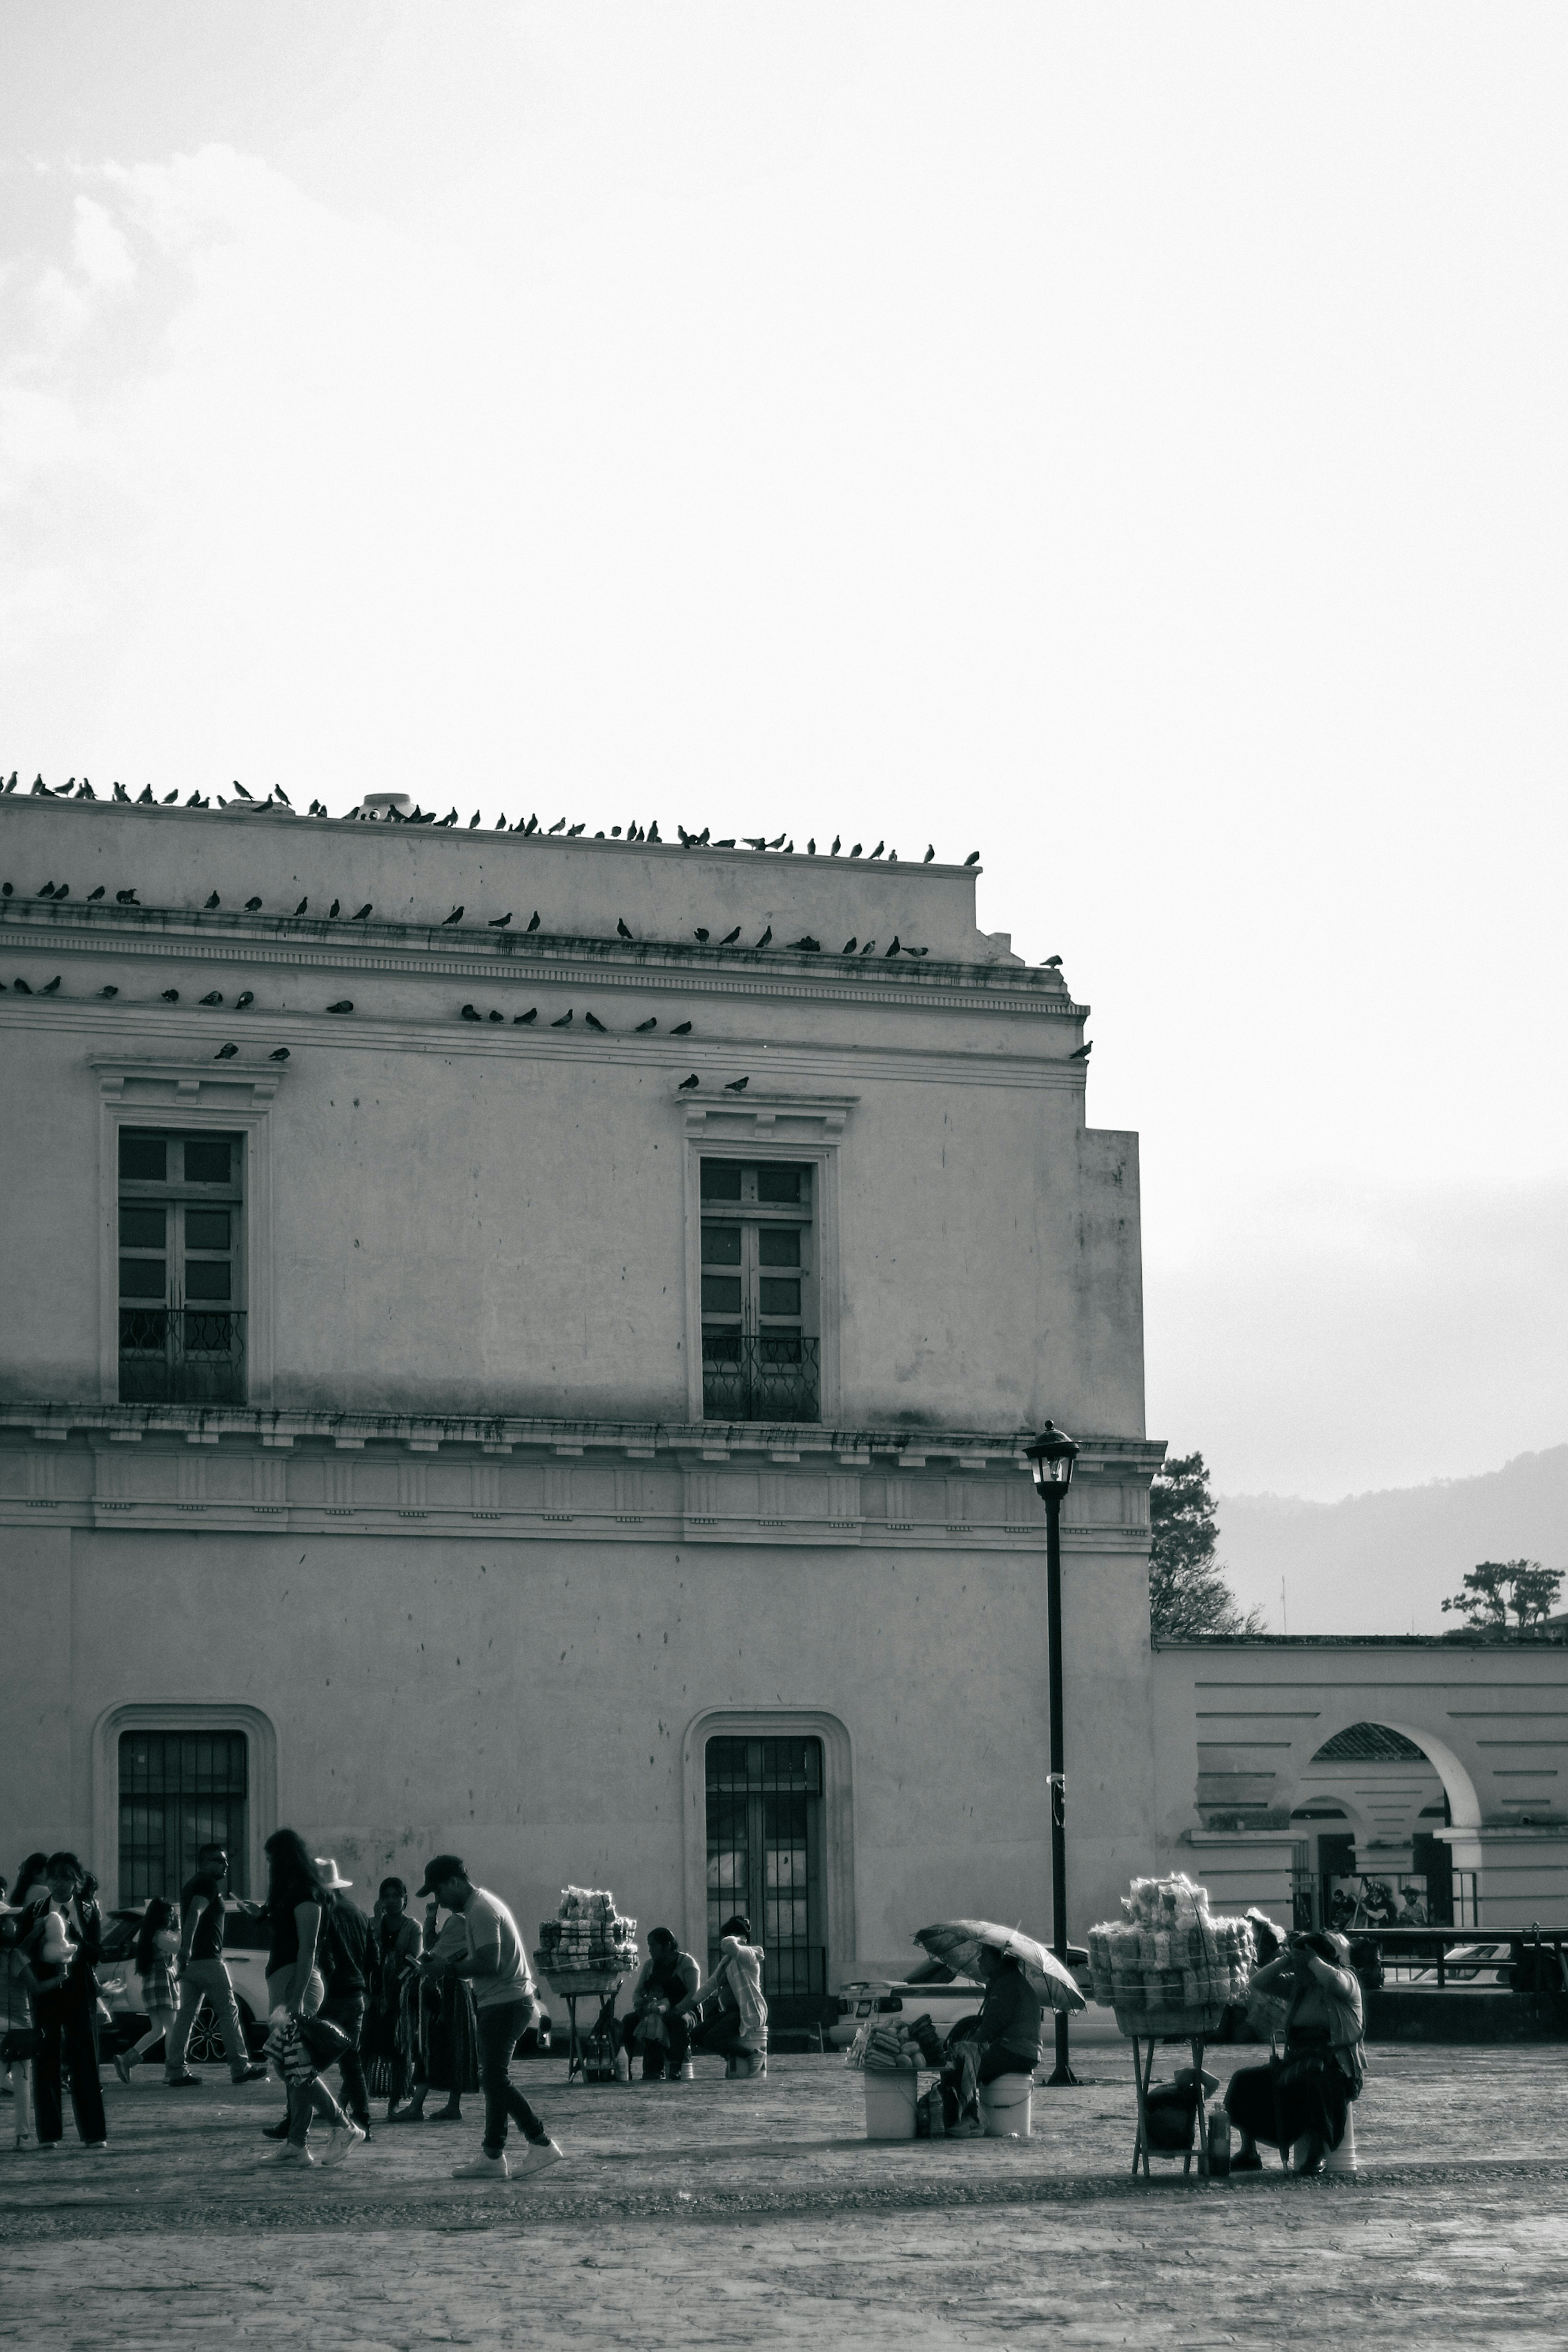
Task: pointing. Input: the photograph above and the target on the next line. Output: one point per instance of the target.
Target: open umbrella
(958, 1943)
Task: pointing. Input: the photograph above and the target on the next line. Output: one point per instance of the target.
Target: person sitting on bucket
(656, 2025)
(1005, 2039)
(1305, 2095)
(740, 2031)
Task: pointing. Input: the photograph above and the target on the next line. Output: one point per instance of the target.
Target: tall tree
(1494, 1587)
(1189, 1594)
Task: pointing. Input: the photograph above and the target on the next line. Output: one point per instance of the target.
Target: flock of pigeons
(58, 891)
(80, 789)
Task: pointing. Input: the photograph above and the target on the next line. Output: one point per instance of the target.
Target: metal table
(1146, 2030)
(581, 1984)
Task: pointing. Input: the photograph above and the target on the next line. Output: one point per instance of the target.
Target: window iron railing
(760, 1379)
(182, 1355)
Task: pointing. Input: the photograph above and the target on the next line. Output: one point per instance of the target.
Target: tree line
(1191, 1599)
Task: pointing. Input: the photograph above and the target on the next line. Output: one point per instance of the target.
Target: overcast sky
(1126, 440)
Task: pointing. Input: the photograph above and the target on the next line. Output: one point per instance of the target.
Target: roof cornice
(178, 934)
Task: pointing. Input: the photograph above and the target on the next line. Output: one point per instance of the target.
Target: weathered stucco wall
(467, 1561)
(526, 1704)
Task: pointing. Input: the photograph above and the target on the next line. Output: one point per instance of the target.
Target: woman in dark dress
(1306, 2094)
(393, 1952)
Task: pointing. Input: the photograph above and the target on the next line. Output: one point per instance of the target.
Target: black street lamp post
(1050, 1458)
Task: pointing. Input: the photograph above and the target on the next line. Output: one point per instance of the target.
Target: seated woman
(657, 2026)
(1005, 2039)
(738, 2032)
(1306, 2095)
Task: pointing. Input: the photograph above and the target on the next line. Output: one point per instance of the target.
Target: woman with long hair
(157, 1942)
(297, 1896)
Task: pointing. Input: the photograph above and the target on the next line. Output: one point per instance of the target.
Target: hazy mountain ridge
(1385, 1562)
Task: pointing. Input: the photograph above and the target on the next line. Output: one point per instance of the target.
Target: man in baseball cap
(504, 2008)
(437, 1873)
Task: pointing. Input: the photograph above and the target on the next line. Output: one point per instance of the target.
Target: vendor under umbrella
(1022, 1980)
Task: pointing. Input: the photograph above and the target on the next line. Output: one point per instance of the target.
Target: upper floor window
(182, 1320)
(760, 1344)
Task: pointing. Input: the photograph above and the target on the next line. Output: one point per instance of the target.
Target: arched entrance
(1373, 1809)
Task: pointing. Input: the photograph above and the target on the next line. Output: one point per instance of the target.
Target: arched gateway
(1296, 1770)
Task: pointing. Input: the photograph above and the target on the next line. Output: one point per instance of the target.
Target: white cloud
(101, 248)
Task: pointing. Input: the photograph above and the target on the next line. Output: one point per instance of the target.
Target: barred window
(180, 1790)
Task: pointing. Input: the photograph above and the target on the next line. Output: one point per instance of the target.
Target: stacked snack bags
(885, 2049)
(587, 1934)
(1166, 1965)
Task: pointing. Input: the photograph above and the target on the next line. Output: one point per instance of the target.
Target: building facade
(553, 1388)
(1294, 1768)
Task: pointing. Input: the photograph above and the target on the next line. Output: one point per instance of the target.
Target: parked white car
(244, 1946)
(929, 1990)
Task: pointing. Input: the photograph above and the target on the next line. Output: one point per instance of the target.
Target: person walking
(345, 1964)
(203, 1976)
(297, 1898)
(157, 1951)
(497, 1968)
(60, 1954)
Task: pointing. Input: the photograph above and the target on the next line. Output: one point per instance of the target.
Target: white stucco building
(466, 1433)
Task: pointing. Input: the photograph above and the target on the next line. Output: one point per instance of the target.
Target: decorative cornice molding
(913, 1063)
(760, 1112)
(166, 936)
(812, 1442)
(189, 1079)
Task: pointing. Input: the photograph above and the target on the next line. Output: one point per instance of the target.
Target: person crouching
(738, 2031)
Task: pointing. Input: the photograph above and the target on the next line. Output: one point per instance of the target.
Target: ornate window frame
(769, 1127)
(169, 1715)
(193, 1097)
(837, 1816)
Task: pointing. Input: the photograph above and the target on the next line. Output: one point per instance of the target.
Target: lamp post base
(1062, 2078)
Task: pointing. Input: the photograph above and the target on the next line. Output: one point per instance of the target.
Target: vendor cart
(590, 2056)
(1146, 2030)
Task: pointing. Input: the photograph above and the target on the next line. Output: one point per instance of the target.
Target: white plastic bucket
(891, 2104)
(1342, 2159)
(1007, 2107)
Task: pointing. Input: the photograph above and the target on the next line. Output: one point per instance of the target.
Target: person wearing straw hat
(344, 1961)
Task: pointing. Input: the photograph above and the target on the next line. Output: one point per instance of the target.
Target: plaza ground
(740, 2214)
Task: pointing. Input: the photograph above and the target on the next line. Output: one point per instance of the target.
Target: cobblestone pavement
(719, 2213)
